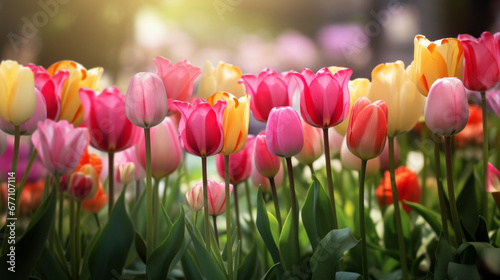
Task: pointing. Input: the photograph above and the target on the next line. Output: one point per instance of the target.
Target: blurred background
(123, 36)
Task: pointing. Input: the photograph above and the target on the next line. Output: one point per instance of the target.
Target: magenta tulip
(28, 127)
(268, 90)
(313, 144)
(240, 164)
(146, 103)
(167, 155)
(284, 134)
(481, 61)
(446, 109)
(217, 198)
(324, 98)
(200, 128)
(60, 145)
(266, 163)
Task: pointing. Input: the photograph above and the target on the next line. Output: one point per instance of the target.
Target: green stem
(312, 169)
(78, 241)
(249, 202)
(329, 175)
(164, 198)
(229, 242)
(397, 211)
(96, 218)
(276, 202)
(149, 193)
(72, 238)
(484, 194)
(295, 213)
(156, 211)
(364, 258)
(451, 192)
(424, 168)
(52, 232)
(237, 211)
(60, 216)
(196, 218)
(216, 232)
(205, 201)
(111, 182)
(15, 155)
(439, 179)
(137, 196)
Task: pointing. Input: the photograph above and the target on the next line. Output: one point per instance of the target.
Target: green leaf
(207, 263)
(29, 248)
(330, 250)
(288, 253)
(390, 232)
(264, 227)
(469, 252)
(481, 234)
(110, 250)
(468, 206)
(49, 267)
(141, 247)
(189, 267)
(431, 217)
(462, 271)
(268, 273)
(344, 275)
(317, 215)
(444, 255)
(247, 268)
(160, 260)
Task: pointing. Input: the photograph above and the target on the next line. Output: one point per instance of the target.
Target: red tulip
(109, 128)
(268, 90)
(217, 197)
(367, 128)
(481, 61)
(81, 185)
(266, 163)
(407, 185)
(240, 164)
(200, 128)
(284, 135)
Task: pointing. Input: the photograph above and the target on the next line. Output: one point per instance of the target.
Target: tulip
(89, 159)
(79, 77)
(493, 100)
(434, 60)
(264, 182)
(217, 198)
(225, 77)
(200, 128)
(17, 92)
(352, 162)
(268, 90)
(284, 134)
(240, 164)
(28, 127)
(384, 156)
(408, 188)
(313, 144)
(167, 154)
(130, 155)
(367, 129)
(51, 88)
(125, 173)
(392, 84)
(446, 109)
(194, 197)
(83, 186)
(472, 134)
(96, 203)
(146, 102)
(357, 88)
(177, 78)
(493, 183)
(266, 163)
(481, 61)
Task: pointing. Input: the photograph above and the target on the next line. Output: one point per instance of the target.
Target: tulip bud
(217, 197)
(446, 110)
(194, 197)
(493, 183)
(83, 185)
(125, 173)
(313, 144)
(29, 126)
(266, 163)
(284, 135)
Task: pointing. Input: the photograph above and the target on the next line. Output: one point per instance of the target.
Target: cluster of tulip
(64, 114)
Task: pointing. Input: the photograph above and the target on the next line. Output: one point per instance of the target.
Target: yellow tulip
(434, 60)
(71, 106)
(235, 121)
(392, 83)
(17, 92)
(223, 78)
(357, 88)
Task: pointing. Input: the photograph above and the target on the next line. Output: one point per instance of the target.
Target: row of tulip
(62, 111)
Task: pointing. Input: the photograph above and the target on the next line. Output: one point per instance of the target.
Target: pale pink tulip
(217, 197)
(284, 135)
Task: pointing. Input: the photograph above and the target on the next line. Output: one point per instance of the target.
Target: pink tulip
(240, 164)
(493, 179)
(481, 61)
(266, 163)
(367, 128)
(167, 154)
(352, 162)
(268, 90)
(130, 155)
(177, 78)
(200, 128)
(82, 186)
(324, 98)
(217, 197)
(194, 197)
(28, 127)
(51, 88)
(109, 128)
(284, 135)
(259, 180)
(146, 103)
(313, 144)
(60, 145)
(446, 109)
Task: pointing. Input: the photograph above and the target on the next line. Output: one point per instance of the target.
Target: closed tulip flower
(217, 198)
(177, 78)
(60, 145)
(125, 173)
(434, 60)
(313, 144)
(284, 134)
(392, 84)
(367, 128)
(407, 185)
(194, 197)
(146, 103)
(79, 77)
(97, 202)
(446, 109)
(51, 88)
(357, 88)
(481, 61)
(266, 163)
(109, 128)
(130, 155)
(17, 92)
(200, 128)
(268, 90)
(225, 77)
(493, 183)
(167, 154)
(28, 127)
(352, 162)
(240, 164)
(83, 185)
